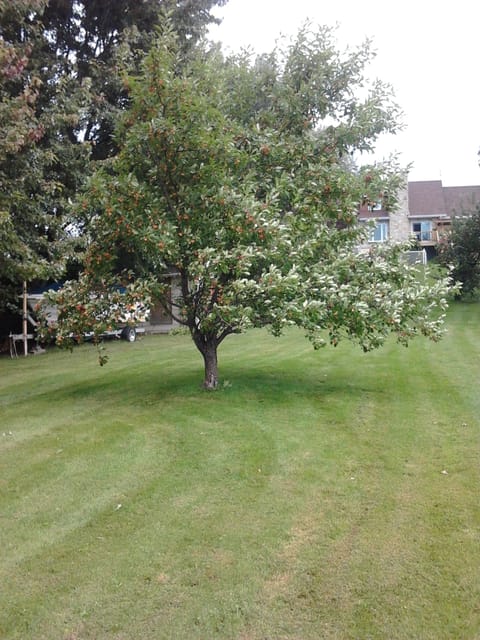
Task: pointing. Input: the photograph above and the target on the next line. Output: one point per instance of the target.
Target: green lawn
(316, 495)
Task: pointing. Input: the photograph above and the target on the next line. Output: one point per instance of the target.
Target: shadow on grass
(240, 383)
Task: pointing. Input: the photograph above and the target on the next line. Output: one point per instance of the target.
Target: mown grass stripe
(305, 499)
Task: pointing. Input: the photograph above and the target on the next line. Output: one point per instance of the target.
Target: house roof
(430, 197)
(459, 200)
(426, 198)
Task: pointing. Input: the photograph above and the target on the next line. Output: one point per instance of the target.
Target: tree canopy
(95, 39)
(237, 176)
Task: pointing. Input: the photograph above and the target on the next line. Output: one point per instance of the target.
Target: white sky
(427, 50)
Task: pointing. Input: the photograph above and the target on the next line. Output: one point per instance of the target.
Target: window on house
(422, 230)
(379, 233)
(375, 206)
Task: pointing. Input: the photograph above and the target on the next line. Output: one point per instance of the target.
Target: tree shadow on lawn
(240, 383)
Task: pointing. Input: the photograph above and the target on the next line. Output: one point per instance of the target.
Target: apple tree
(239, 176)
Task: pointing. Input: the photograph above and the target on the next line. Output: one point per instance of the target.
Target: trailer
(30, 303)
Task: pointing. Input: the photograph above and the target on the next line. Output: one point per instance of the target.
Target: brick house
(425, 211)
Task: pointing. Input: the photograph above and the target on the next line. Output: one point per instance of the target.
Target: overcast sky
(428, 51)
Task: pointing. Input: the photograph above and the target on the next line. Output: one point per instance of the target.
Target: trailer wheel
(129, 334)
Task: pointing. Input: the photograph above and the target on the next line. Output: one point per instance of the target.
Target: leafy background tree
(462, 252)
(237, 176)
(28, 228)
(61, 90)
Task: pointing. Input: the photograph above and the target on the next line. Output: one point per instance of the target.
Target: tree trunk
(209, 353)
(208, 346)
